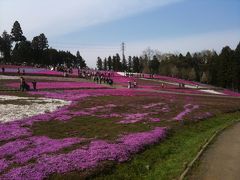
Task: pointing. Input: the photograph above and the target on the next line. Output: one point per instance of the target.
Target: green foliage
(80, 61)
(40, 43)
(105, 64)
(124, 64)
(110, 63)
(22, 52)
(17, 34)
(36, 51)
(130, 64)
(135, 64)
(99, 64)
(5, 46)
(154, 65)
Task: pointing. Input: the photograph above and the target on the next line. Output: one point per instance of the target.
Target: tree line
(16, 49)
(222, 70)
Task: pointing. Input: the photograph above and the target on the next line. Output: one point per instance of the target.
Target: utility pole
(123, 50)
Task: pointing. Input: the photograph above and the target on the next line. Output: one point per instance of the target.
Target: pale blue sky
(98, 27)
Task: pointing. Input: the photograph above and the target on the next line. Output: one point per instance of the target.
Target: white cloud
(56, 17)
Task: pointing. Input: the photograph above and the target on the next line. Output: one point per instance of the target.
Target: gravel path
(221, 161)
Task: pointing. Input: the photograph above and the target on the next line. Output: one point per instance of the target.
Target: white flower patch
(8, 77)
(212, 92)
(23, 107)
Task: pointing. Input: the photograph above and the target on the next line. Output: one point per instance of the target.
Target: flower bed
(87, 157)
(22, 107)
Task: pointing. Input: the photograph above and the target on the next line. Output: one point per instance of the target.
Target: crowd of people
(97, 76)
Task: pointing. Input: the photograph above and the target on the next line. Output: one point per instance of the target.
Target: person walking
(129, 84)
(34, 83)
(22, 84)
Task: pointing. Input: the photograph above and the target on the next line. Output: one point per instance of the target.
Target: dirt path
(222, 159)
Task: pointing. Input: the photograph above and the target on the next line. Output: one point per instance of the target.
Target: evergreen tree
(51, 56)
(130, 64)
(110, 63)
(6, 45)
(83, 64)
(236, 68)
(43, 42)
(124, 65)
(213, 68)
(225, 71)
(1, 47)
(40, 42)
(196, 66)
(99, 64)
(154, 65)
(141, 64)
(17, 34)
(114, 63)
(188, 59)
(80, 61)
(136, 64)
(118, 63)
(105, 64)
(23, 52)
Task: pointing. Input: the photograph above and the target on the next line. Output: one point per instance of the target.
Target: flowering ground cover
(92, 129)
(62, 85)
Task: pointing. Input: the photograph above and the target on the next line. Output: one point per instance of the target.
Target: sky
(98, 27)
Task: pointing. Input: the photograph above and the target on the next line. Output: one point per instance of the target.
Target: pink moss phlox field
(42, 145)
(112, 115)
(62, 85)
(13, 147)
(151, 105)
(21, 151)
(188, 108)
(3, 165)
(159, 107)
(231, 93)
(133, 118)
(154, 119)
(12, 130)
(88, 157)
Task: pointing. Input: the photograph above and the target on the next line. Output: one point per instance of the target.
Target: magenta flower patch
(62, 85)
(87, 157)
(188, 108)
